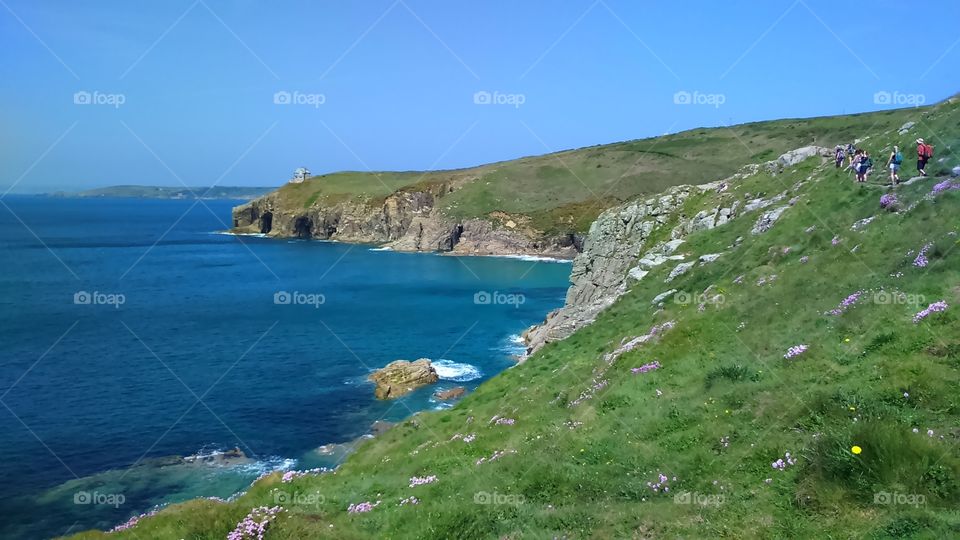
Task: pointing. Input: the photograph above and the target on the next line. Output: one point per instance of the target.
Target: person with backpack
(924, 153)
(864, 166)
(894, 162)
(839, 154)
(850, 151)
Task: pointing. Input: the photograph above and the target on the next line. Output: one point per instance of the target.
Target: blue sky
(187, 90)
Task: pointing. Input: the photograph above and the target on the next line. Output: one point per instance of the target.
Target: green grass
(565, 191)
(582, 471)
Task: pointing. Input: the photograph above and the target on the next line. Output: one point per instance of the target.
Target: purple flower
(921, 260)
(889, 201)
(796, 350)
(254, 525)
(944, 186)
(421, 480)
(836, 240)
(935, 307)
(846, 303)
(359, 508)
(646, 367)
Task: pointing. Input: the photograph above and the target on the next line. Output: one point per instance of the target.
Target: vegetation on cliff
(802, 384)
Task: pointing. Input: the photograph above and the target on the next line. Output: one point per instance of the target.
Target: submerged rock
(450, 393)
(402, 377)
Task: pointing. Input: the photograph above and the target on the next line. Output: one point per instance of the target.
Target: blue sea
(132, 330)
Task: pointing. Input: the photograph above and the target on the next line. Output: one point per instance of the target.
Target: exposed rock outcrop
(450, 394)
(405, 221)
(402, 377)
(621, 246)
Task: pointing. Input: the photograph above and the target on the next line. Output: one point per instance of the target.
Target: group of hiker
(860, 162)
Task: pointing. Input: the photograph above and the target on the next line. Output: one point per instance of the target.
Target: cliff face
(627, 241)
(405, 221)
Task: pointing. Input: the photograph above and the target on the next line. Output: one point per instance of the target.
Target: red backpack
(928, 151)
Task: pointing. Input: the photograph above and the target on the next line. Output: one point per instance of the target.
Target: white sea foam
(229, 233)
(384, 248)
(455, 371)
(534, 258)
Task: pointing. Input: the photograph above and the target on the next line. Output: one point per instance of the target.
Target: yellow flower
(846, 340)
(856, 450)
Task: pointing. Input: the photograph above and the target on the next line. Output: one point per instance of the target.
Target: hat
(920, 140)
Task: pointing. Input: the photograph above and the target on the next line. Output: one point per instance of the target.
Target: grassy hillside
(865, 420)
(566, 191)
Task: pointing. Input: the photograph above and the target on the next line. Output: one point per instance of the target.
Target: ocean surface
(131, 331)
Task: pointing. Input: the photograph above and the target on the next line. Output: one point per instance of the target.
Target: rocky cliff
(404, 221)
(626, 242)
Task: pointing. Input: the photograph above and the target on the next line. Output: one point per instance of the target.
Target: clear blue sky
(398, 78)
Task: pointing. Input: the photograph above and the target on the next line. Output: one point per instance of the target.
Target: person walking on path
(924, 154)
(839, 155)
(864, 166)
(894, 162)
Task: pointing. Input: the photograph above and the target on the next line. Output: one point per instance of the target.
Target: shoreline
(371, 246)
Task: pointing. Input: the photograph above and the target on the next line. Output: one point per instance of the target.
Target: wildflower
(738, 280)
(796, 350)
(659, 393)
(935, 307)
(505, 421)
(360, 508)
(810, 229)
(944, 186)
(916, 430)
(768, 480)
(921, 260)
(836, 240)
(856, 450)
(662, 483)
(646, 367)
(254, 525)
(469, 438)
(785, 250)
(495, 456)
(846, 303)
(906, 395)
(421, 480)
(804, 259)
(929, 433)
(289, 476)
(409, 500)
(889, 201)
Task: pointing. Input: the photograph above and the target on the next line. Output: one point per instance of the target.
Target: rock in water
(402, 377)
(450, 394)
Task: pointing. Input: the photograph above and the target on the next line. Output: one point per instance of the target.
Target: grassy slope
(718, 380)
(566, 191)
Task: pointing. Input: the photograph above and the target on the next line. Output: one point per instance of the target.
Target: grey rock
(679, 270)
(906, 127)
(709, 258)
(766, 221)
(663, 296)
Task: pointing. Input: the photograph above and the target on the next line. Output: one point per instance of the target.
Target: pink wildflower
(421, 480)
(254, 525)
(935, 307)
(796, 350)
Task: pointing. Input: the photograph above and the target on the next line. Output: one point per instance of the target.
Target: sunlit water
(132, 331)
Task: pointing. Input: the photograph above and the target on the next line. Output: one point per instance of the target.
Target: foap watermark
(497, 298)
(700, 499)
(498, 98)
(685, 298)
(83, 97)
(297, 298)
(494, 498)
(907, 499)
(696, 97)
(898, 298)
(896, 98)
(97, 298)
(297, 498)
(115, 500)
(297, 97)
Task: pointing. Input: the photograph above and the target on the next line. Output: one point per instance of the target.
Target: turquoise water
(132, 331)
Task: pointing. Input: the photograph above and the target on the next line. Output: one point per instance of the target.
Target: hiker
(864, 167)
(839, 154)
(850, 151)
(894, 162)
(924, 153)
(855, 158)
